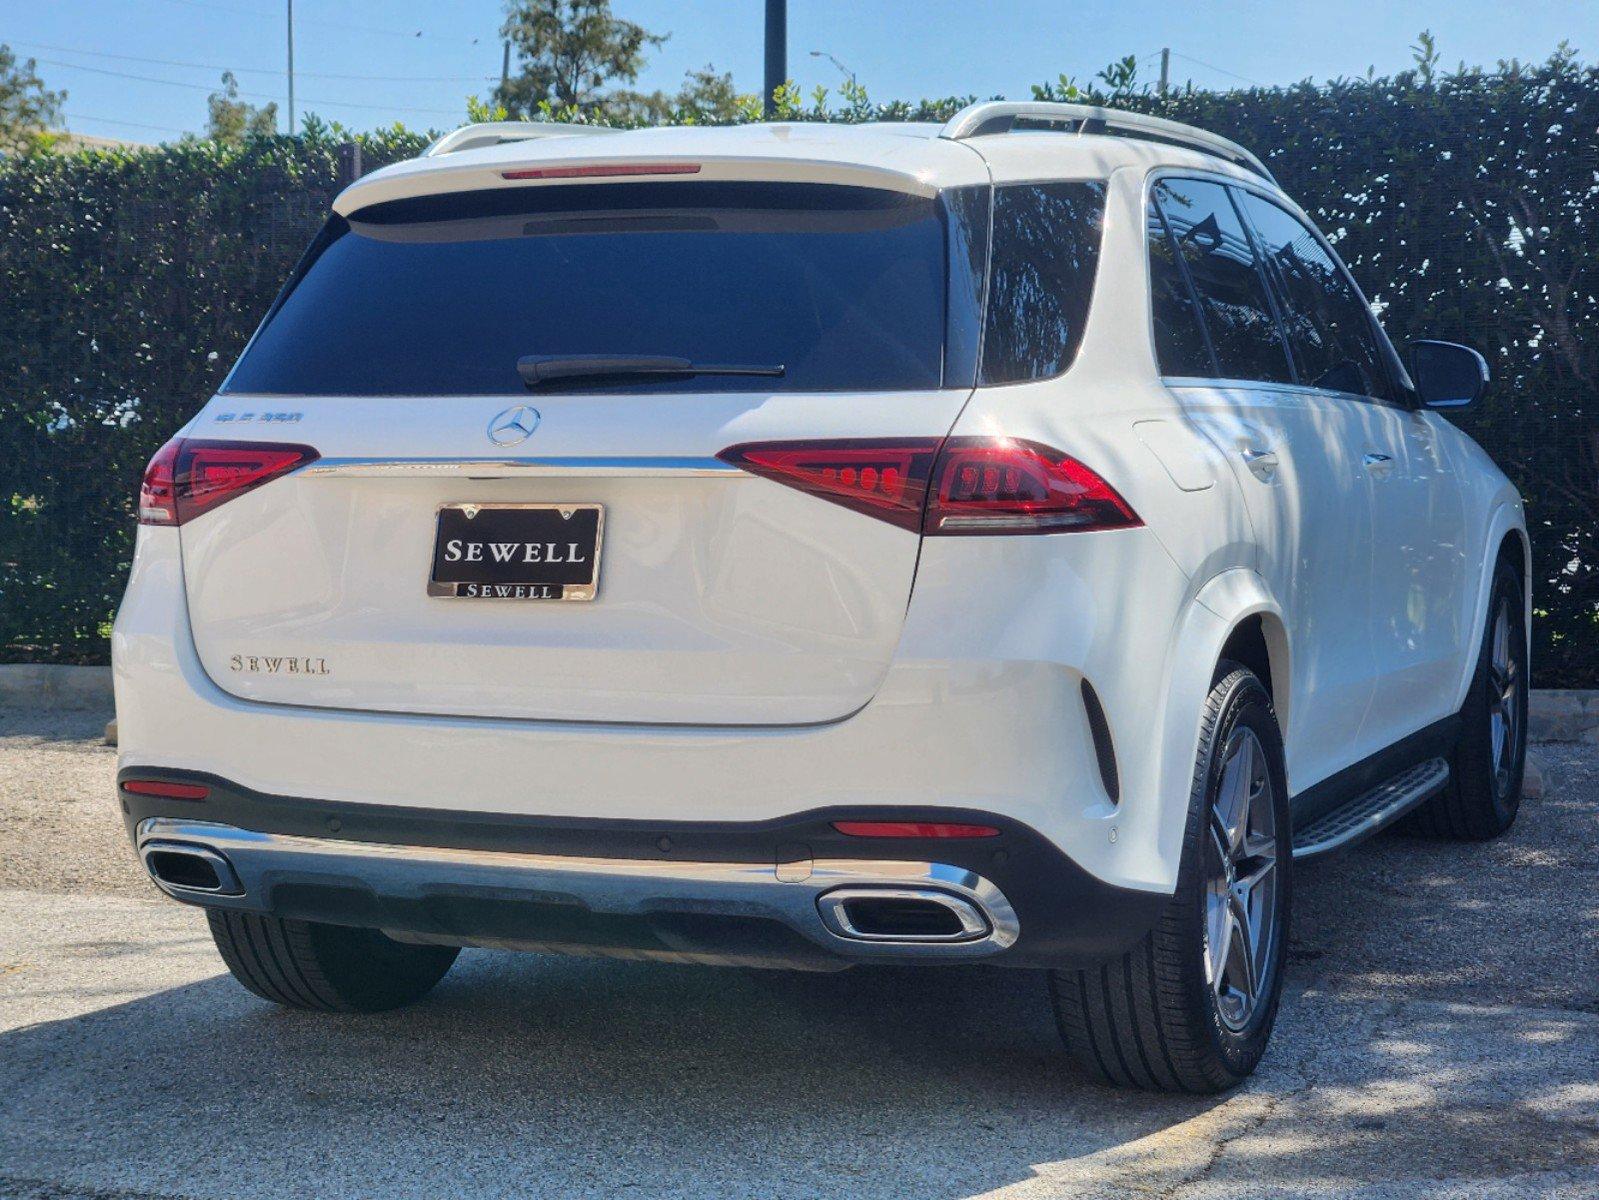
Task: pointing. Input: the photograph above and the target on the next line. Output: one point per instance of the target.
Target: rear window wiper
(539, 369)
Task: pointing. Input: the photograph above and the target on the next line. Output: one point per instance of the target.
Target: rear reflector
(171, 791)
(960, 485)
(913, 829)
(599, 170)
(188, 477)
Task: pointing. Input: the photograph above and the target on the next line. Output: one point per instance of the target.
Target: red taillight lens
(188, 477)
(979, 485)
(885, 478)
(158, 494)
(914, 829)
(160, 787)
(1006, 485)
(603, 170)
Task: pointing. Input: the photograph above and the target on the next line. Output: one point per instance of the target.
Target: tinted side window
(1220, 258)
(1181, 345)
(1042, 262)
(1329, 327)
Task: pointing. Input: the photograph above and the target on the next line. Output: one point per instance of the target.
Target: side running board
(1365, 815)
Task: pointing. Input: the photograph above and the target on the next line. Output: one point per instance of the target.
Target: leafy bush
(1465, 203)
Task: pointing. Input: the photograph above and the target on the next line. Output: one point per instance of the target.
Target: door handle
(1380, 465)
(1261, 463)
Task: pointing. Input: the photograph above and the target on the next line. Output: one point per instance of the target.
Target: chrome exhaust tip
(188, 868)
(917, 915)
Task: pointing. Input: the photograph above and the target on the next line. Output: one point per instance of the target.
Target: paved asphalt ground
(1440, 1037)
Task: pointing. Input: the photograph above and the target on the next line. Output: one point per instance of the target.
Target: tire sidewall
(1474, 760)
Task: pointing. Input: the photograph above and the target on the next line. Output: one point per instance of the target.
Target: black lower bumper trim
(1067, 916)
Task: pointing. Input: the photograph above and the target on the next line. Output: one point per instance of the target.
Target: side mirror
(1447, 374)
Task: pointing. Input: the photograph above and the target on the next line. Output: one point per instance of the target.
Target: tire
(1484, 790)
(325, 968)
(1152, 1019)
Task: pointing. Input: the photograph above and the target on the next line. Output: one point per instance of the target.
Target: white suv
(1012, 541)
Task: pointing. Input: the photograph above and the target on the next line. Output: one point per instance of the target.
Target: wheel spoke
(1241, 955)
(1240, 894)
(1234, 794)
(1257, 900)
(1218, 938)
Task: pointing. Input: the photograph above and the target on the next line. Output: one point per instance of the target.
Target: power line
(1213, 67)
(119, 121)
(169, 62)
(206, 87)
(253, 12)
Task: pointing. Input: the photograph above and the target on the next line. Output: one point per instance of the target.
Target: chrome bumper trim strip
(793, 892)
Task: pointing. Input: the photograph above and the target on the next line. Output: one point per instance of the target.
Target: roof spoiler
(497, 133)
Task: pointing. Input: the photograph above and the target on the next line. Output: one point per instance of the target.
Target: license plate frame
(500, 580)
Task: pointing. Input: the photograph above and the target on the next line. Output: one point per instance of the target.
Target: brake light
(962, 485)
(602, 170)
(914, 829)
(188, 476)
(1006, 485)
(160, 787)
(884, 478)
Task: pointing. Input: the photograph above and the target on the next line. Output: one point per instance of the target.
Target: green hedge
(1466, 204)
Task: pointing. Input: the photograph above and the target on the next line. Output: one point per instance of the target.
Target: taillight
(914, 829)
(1006, 485)
(883, 478)
(962, 485)
(188, 476)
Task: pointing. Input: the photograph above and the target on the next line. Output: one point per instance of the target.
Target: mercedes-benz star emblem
(513, 425)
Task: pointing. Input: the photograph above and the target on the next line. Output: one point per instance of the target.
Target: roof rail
(496, 133)
(1003, 116)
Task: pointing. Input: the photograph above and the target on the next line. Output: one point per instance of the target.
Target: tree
(567, 52)
(234, 120)
(28, 110)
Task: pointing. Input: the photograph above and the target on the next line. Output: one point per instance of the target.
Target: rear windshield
(843, 287)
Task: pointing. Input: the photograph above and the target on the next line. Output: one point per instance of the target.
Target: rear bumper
(774, 893)
(981, 709)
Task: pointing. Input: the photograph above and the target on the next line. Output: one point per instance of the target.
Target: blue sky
(904, 49)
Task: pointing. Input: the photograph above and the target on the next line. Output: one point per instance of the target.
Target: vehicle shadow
(565, 1076)
(1439, 1026)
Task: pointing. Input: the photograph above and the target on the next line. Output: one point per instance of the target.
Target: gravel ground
(1440, 1038)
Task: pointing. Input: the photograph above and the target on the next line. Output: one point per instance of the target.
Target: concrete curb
(1563, 715)
(48, 685)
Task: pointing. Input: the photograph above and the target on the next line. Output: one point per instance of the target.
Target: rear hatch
(479, 539)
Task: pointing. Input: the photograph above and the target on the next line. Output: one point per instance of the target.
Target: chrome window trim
(1258, 385)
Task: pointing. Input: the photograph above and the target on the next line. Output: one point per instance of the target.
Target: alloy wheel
(1504, 700)
(1242, 884)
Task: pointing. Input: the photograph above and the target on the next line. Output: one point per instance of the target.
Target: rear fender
(1226, 601)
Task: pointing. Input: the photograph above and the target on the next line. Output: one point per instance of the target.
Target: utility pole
(505, 67)
(290, 129)
(1165, 69)
(776, 52)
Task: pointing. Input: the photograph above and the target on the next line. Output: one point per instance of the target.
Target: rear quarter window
(1043, 259)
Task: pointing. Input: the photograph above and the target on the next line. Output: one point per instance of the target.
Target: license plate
(517, 551)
